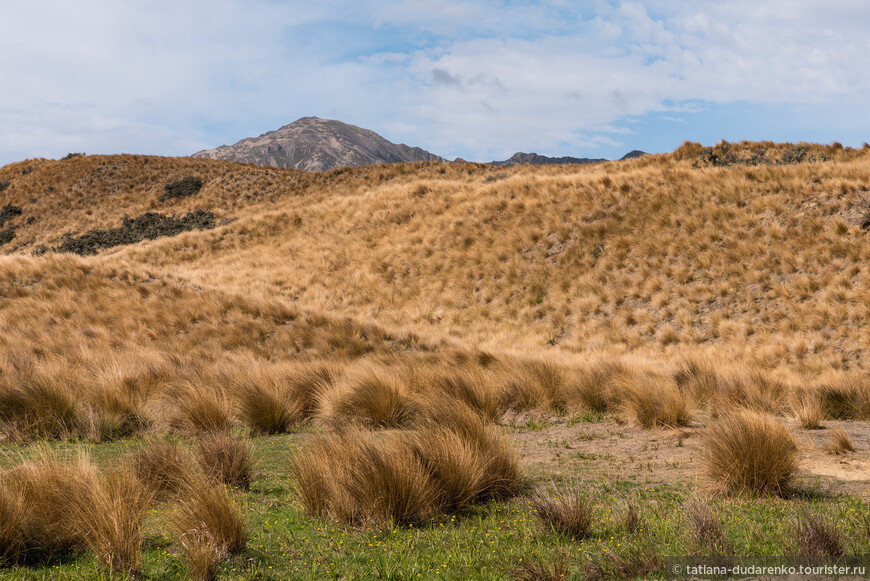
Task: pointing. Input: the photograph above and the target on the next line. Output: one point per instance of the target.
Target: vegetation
(371, 372)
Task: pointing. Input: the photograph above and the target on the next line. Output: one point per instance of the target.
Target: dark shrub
(183, 188)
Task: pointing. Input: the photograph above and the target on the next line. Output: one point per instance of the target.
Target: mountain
(313, 144)
(520, 158)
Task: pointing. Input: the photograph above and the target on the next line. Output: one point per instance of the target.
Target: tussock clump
(538, 570)
(809, 409)
(654, 401)
(199, 406)
(750, 452)
(265, 401)
(209, 525)
(502, 477)
(51, 506)
(372, 396)
(163, 467)
(107, 515)
(706, 531)
(566, 514)
(36, 402)
(529, 385)
(363, 478)
(472, 387)
(597, 388)
(846, 396)
(840, 442)
(225, 458)
(817, 537)
(632, 560)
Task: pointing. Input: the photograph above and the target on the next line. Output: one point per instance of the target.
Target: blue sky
(478, 80)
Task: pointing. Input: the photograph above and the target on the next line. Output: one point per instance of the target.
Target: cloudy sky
(480, 80)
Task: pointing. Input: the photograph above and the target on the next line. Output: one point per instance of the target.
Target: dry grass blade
(750, 452)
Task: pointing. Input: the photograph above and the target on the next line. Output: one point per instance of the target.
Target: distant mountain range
(314, 144)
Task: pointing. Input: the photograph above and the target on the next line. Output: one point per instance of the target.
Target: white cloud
(479, 79)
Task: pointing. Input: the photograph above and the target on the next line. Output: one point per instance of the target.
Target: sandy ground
(551, 447)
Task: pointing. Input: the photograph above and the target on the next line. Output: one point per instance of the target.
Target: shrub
(749, 452)
(565, 514)
(225, 458)
(183, 188)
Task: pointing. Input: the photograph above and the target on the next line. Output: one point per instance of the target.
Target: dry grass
(809, 410)
(373, 396)
(840, 442)
(209, 525)
(536, 570)
(656, 402)
(707, 534)
(817, 537)
(408, 477)
(225, 458)
(163, 467)
(750, 452)
(566, 514)
(51, 506)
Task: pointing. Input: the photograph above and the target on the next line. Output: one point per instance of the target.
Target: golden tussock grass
(751, 452)
(406, 477)
(225, 458)
(53, 506)
(840, 441)
(210, 527)
(567, 514)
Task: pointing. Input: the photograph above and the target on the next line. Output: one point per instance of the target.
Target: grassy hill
(401, 323)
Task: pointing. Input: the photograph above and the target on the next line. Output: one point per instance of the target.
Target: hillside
(726, 254)
(469, 367)
(313, 144)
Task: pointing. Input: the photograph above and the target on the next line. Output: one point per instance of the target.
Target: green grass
(486, 542)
